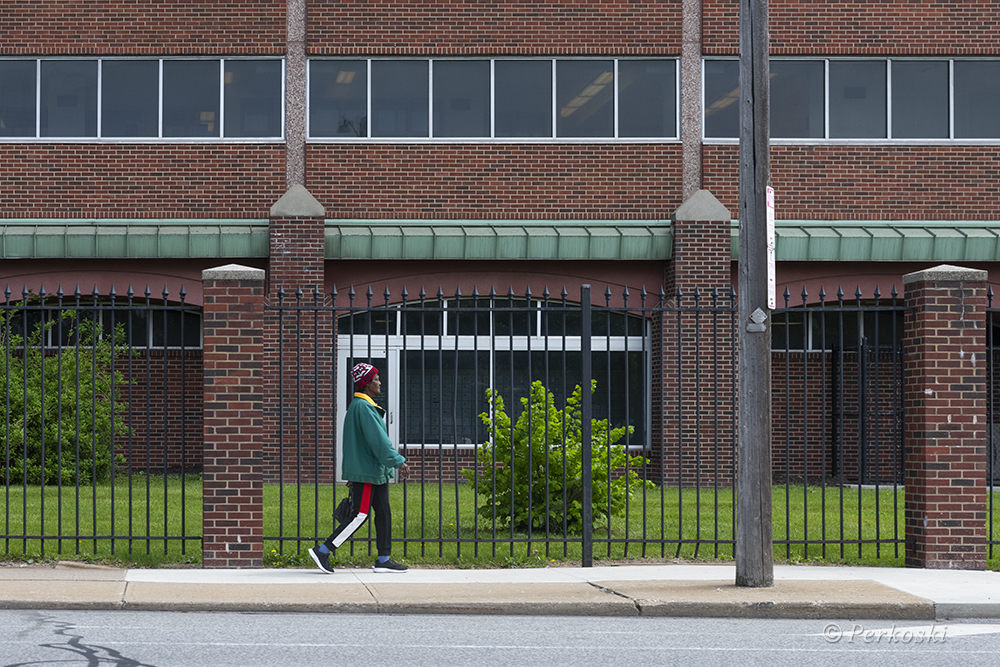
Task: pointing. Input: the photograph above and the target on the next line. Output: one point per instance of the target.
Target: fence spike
(805, 295)
(440, 294)
(129, 293)
(59, 291)
(112, 293)
(475, 292)
(369, 293)
(166, 292)
(423, 293)
(564, 293)
(858, 293)
(493, 291)
(840, 293)
(545, 292)
(894, 293)
(458, 292)
(404, 294)
(877, 294)
(77, 293)
(527, 292)
(822, 294)
(510, 292)
(148, 292)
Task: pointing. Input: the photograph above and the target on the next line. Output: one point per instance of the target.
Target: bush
(526, 464)
(61, 411)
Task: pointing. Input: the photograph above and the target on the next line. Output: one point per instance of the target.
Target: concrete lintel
(702, 206)
(946, 273)
(297, 203)
(233, 272)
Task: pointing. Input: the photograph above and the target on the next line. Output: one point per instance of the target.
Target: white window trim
(492, 139)
(159, 139)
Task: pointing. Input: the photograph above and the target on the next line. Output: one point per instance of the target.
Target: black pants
(365, 499)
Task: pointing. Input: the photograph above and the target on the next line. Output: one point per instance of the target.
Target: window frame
(388, 347)
(160, 138)
(951, 139)
(492, 138)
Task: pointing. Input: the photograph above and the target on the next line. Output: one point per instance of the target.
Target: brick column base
(232, 490)
(945, 435)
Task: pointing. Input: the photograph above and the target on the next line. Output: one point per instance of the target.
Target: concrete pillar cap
(946, 273)
(233, 272)
(297, 203)
(702, 206)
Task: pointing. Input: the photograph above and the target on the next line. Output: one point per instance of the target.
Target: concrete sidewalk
(629, 590)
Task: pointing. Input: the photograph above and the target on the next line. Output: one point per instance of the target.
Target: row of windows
(864, 99)
(138, 99)
(492, 99)
(139, 328)
(502, 99)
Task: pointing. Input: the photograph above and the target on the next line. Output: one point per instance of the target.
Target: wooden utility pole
(754, 545)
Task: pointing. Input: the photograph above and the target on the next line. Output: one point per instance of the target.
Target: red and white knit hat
(362, 374)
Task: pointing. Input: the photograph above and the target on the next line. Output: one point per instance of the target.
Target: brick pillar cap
(233, 272)
(702, 206)
(297, 203)
(946, 273)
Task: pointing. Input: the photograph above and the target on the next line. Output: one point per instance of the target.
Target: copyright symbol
(832, 633)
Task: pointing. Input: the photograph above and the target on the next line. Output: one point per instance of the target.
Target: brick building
(511, 145)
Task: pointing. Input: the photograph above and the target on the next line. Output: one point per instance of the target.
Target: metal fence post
(585, 426)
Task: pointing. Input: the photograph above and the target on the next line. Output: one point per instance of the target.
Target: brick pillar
(945, 411)
(298, 346)
(233, 517)
(695, 353)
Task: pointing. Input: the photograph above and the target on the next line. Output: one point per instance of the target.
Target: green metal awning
(885, 240)
(797, 240)
(132, 238)
(499, 239)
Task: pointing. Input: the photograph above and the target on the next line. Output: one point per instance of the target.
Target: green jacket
(368, 455)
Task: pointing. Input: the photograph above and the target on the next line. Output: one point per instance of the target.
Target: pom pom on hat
(362, 374)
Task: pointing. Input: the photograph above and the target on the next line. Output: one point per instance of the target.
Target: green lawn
(661, 523)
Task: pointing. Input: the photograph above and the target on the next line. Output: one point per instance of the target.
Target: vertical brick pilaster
(693, 363)
(298, 345)
(945, 408)
(233, 516)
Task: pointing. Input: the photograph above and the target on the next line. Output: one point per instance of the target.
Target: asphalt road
(167, 639)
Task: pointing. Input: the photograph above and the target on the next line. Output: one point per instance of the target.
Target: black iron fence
(484, 393)
(101, 424)
(837, 385)
(992, 424)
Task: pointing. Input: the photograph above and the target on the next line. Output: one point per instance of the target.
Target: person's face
(374, 388)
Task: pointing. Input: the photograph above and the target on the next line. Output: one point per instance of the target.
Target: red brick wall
(81, 27)
(174, 388)
(869, 182)
(591, 181)
(927, 27)
(140, 180)
(946, 496)
(515, 27)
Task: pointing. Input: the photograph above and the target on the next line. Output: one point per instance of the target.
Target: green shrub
(61, 410)
(526, 464)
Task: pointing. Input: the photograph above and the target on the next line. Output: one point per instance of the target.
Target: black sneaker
(322, 560)
(389, 566)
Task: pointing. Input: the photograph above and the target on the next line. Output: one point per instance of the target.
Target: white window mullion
(368, 123)
(615, 96)
(430, 99)
(493, 101)
(38, 98)
(222, 98)
(826, 98)
(888, 99)
(951, 99)
(100, 96)
(159, 102)
(555, 106)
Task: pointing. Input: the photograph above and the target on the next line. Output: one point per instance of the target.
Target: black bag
(344, 512)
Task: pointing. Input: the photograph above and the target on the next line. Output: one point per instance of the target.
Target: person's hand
(404, 471)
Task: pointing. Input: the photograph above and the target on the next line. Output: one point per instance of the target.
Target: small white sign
(772, 296)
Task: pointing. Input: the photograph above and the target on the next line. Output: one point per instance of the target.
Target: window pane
(253, 98)
(17, 98)
(722, 91)
(585, 98)
(977, 100)
(168, 326)
(130, 91)
(920, 99)
(400, 99)
(462, 98)
(191, 98)
(338, 98)
(797, 99)
(69, 98)
(523, 103)
(857, 100)
(443, 395)
(646, 98)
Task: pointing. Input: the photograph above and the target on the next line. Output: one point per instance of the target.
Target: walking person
(369, 461)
